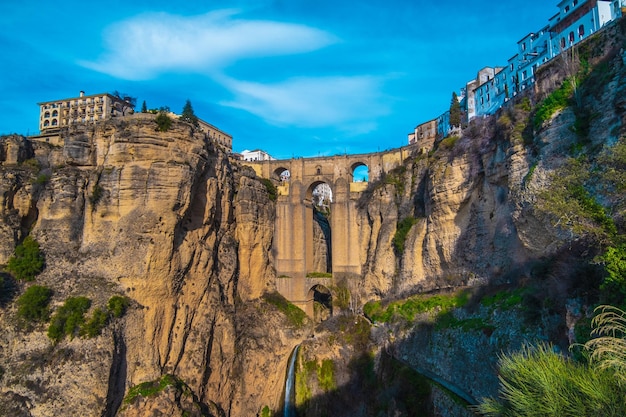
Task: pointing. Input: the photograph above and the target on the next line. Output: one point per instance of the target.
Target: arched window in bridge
(360, 172)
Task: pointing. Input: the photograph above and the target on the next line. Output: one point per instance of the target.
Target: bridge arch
(360, 172)
(293, 233)
(281, 174)
(320, 302)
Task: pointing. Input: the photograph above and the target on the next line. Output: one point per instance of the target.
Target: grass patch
(557, 100)
(295, 315)
(505, 300)
(319, 275)
(152, 388)
(326, 375)
(411, 307)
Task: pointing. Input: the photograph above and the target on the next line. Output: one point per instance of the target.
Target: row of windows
(55, 122)
(78, 102)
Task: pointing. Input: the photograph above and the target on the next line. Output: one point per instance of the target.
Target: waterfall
(290, 385)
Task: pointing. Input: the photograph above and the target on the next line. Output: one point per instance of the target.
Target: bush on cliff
(27, 261)
(68, 318)
(32, 306)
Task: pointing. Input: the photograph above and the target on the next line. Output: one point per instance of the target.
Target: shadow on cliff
(373, 389)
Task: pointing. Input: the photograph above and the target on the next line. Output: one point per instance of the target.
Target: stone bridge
(298, 281)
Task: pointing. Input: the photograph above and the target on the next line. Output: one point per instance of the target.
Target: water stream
(290, 385)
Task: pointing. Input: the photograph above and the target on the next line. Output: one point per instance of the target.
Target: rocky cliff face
(165, 219)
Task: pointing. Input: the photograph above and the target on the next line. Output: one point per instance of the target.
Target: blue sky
(292, 77)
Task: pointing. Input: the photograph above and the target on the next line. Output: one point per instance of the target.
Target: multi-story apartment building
(576, 20)
(217, 135)
(62, 113)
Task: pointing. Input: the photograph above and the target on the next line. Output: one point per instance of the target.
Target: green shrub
(614, 285)
(68, 318)
(271, 188)
(163, 121)
(32, 306)
(117, 305)
(27, 261)
(266, 412)
(93, 327)
(96, 194)
(42, 179)
(399, 238)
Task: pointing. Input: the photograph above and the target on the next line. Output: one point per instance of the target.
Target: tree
(144, 107)
(163, 121)
(188, 114)
(455, 111)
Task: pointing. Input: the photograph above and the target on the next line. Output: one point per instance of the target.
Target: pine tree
(144, 108)
(455, 111)
(188, 114)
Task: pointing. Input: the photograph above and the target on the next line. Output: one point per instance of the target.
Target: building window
(55, 113)
(571, 38)
(523, 46)
(575, 3)
(54, 122)
(46, 114)
(46, 123)
(581, 31)
(566, 9)
(562, 43)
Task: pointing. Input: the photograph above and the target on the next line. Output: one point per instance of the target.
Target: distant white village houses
(493, 86)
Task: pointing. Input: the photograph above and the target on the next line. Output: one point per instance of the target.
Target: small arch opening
(322, 300)
(360, 172)
(281, 175)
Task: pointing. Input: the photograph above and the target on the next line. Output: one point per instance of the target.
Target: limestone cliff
(167, 220)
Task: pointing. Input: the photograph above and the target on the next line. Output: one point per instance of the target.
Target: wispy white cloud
(147, 45)
(347, 103)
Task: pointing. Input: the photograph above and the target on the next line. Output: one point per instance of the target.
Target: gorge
(463, 252)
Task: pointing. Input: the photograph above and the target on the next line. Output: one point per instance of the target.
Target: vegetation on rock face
(28, 261)
(271, 188)
(93, 327)
(399, 238)
(163, 121)
(69, 318)
(608, 344)
(117, 305)
(32, 306)
(296, 316)
(408, 309)
(151, 388)
(540, 382)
